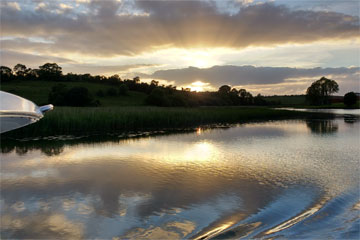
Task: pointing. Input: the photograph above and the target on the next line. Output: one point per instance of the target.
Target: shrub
(157, 97)
(111, 92)
(57, 95)
(123, 89)
(100, 93)
(350, 98)
(76, 97)
(79, 97)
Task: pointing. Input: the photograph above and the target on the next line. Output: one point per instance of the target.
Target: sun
(200, 58)
(198, 86)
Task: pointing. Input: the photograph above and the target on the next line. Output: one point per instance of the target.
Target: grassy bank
(74, 121)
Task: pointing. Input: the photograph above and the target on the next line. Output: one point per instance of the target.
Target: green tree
(57, 95)
(224, 89)
(111, 92)
(320, 90)
(157, 97)
(79, 97)
(20, 70)
(246, 98)
(50, 71)
(6, 74)
(350, 98)
(123, 89)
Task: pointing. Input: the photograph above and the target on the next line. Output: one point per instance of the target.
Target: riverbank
(95, 120)
(329, 106)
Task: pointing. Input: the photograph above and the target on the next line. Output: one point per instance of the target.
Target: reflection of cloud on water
(40, 226)
(201, 178)
(170, 230)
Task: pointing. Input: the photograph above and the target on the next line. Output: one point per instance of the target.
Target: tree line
(320, 91)
(158, 95)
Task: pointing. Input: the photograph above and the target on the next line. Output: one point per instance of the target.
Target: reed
(94, 120)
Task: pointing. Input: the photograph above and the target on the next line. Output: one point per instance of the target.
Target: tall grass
(74, 121)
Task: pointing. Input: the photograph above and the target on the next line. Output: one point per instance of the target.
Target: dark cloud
(100, 69)
(110, 28)
(11, 58)
(244, 75)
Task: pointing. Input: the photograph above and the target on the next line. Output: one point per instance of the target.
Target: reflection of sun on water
(200, 151)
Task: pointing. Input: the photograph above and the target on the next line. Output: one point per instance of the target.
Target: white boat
(16, 112)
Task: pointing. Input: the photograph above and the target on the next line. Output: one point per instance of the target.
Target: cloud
(103, 69)
(260, 79)
(11, 58)
(110, 28)
(243, 75)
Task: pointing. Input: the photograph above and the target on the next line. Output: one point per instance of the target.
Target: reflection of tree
(56, 147)
(322, 126)
(22, 147)
(52, 150)
(7, 149)
(21, 150)
(350, 119)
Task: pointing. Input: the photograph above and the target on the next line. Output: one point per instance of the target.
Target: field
(38, 91)
(289, 100)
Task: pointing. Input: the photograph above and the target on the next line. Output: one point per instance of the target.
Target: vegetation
(90, 120)
(350, 99)
(50, 74)
(319, 91)
(38, 92)
(76, 96)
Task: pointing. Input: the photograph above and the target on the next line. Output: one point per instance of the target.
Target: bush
(123, 89)
(79, 97)
(100, 93)
(157, 97)
(57, 95)
(111, 92)
(350, 99)
(76, 97)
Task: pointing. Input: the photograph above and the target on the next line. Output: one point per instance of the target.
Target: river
(296, 179)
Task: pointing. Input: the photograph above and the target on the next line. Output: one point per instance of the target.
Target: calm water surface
(284, 179)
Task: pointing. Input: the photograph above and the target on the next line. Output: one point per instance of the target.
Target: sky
(265, 46)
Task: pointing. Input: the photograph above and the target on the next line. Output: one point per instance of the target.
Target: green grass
(80, 121)
(288, 100)
(38, 92)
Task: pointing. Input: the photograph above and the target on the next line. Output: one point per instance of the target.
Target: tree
(50, 71)
(57, 95)
(79, 97)
(21, 70)
(350, 98)
(157, 97)
(155, 83)
(111, 91)
(136, 80)
(123, 89)
(6, 74)
(224, 89)
(245, 97)
(320, 90)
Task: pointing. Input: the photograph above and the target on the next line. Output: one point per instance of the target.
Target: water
(285, 179)
(352, 112)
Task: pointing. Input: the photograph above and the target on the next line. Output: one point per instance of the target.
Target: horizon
(267, 47)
